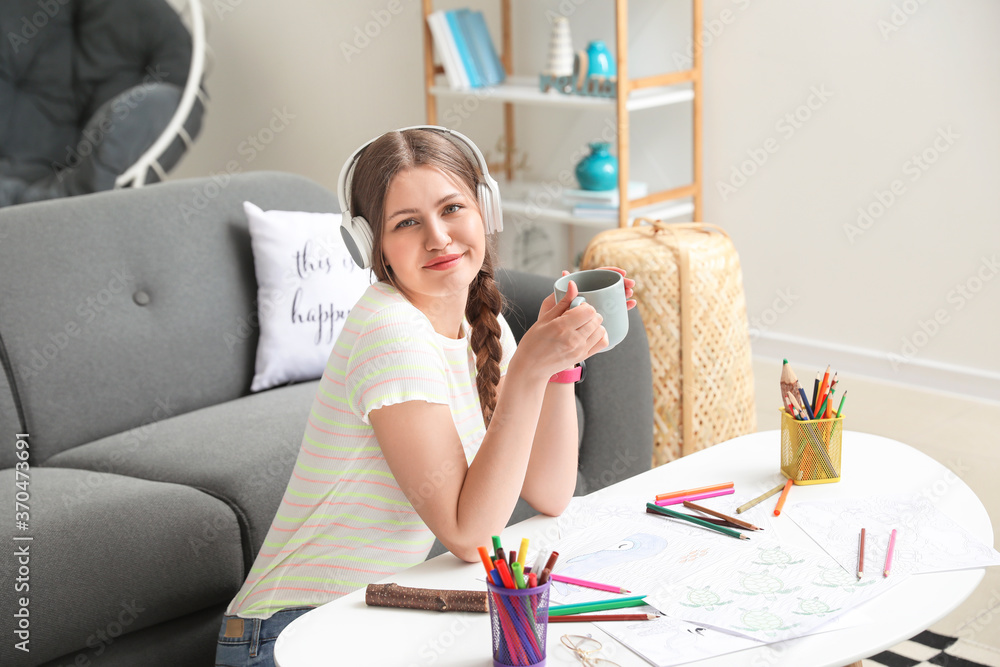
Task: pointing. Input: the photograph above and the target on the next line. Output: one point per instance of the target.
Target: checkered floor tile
(929, 649)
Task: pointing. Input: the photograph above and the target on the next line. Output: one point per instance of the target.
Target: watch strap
(571, 375)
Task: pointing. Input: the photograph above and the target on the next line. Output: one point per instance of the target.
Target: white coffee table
(347, 631)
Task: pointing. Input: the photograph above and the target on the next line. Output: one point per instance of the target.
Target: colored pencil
(691, 492)
(815, 387)
(841, 408)
(698, 496)
(805, 402)
(829, 406)
(588, 584)
(824, 385)
(788, 379)
(826, 400)
(717, 522)
(781, 499)
(759, 499)
(594, 618)
(888, 553)
(720, 515)
(711, 526)
(600, 605)
(861, 554)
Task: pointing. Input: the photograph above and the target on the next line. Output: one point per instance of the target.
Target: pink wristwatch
(571, 375)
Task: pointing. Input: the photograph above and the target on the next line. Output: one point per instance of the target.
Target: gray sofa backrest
(165, 281)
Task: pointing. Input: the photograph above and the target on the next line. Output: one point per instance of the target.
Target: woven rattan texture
(720, 396)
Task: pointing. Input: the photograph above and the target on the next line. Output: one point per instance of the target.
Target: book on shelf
(465, 49)
(483, 49)
(605, 198)
(447, 52)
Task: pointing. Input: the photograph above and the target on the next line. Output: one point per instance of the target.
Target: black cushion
(61, 62)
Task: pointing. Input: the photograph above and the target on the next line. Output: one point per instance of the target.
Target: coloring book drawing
(926, 538)
(771, 595)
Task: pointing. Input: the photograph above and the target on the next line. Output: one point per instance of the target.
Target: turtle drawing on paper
(763, 583)
(814, 607)
(703, 598)
(762, 621)
(838, 577)
(775, 556)
(633, 548)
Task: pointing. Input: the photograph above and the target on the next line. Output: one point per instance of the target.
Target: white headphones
(356, 231)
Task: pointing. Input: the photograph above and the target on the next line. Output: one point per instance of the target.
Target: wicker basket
(689, 289)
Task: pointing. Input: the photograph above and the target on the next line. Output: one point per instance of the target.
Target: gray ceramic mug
(605, 291)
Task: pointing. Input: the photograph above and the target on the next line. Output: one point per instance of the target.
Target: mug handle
(577, 301)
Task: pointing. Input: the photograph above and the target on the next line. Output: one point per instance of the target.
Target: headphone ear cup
(358, 238)
(488, 204)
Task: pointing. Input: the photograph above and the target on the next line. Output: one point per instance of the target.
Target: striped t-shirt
(343, 521)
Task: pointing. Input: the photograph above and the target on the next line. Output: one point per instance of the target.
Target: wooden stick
(720, 515)
(394, 595)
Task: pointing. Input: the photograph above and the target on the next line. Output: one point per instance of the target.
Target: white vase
(560, 58)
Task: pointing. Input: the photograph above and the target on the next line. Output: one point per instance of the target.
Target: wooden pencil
(720, 515)
(759, 499)
(680, 515)
(788, 379)
(581, 618)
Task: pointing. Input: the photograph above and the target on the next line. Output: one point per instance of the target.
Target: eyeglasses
(584, 649)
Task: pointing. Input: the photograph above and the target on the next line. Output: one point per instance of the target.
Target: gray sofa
(127, 340)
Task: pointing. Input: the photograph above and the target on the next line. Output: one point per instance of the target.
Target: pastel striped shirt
(343, 521)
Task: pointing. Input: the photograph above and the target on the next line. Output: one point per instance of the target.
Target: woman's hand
(562, 336)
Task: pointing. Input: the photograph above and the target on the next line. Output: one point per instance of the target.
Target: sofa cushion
(115, 554)
(306, 285)
(241, 452)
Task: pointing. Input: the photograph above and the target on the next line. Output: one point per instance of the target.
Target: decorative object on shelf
(599, 60)
(599, 170)
(560, 61)
(591, 72)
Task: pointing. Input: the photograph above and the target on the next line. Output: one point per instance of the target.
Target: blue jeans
(249, 642)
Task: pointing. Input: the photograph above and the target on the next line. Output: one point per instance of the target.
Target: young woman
(429, 420)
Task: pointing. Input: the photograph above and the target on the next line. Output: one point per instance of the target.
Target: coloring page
(642, 555)
(926, 538)
(669, 641)
(771, 594)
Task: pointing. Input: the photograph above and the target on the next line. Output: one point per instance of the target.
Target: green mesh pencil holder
(520, 621)
(810, 450)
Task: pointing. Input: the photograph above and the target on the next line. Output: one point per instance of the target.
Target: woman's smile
(443, 263)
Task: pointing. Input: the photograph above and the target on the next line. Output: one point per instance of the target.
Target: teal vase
(600, 61)
(599, 170)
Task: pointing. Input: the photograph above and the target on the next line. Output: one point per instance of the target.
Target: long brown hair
(377, 165)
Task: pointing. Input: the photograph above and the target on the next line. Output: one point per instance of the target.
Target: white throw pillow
(306, 285)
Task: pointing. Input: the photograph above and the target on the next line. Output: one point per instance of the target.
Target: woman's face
(433, 237)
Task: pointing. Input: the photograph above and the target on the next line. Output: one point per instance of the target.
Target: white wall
(892, 83)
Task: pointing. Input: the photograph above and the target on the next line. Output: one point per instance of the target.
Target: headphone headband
(357, 232)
